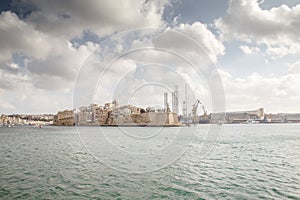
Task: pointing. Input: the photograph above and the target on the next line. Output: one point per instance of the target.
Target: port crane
(194, 111)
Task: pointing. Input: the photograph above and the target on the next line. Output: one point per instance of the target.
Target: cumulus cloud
(17, 36)
(146, 62)
(295, 68)
(278, 28)
(59, 71)
(47, 59)
(249, 50)
(277, 32)
(274, 93)
(102, 17)
(181, 48)
(50, 57)
(53, 59)
(19, 95)
(197, 32)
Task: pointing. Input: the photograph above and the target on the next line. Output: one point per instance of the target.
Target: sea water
(239, 162)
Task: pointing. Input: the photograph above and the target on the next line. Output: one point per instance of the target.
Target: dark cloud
(72, 17)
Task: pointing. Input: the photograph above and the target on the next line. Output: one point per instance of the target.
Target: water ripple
(249, 162)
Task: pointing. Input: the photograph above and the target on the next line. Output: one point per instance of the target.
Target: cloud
(28, 99)
(50, 57)
(17, 36)
(275, 93)
(71, 17)
(144, 58)
(6, 106)
(10, 80)
(59, 71)
(199, 33)
(53, 58)
(43, 36)
(249, 50)
(19, 95)
(295, 68)
(278, 28)
(46, 39)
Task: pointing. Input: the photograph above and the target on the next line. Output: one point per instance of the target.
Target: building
(64, 118)
(238, 117)
(122, 115)
(283, 118)
(112, 114)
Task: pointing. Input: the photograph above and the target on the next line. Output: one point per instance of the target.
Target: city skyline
(51, 54)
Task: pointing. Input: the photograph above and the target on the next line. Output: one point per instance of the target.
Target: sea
(240, 161)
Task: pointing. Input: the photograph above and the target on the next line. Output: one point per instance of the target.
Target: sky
(232, 55)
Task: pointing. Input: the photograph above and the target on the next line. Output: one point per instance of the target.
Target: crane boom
(194, 110)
